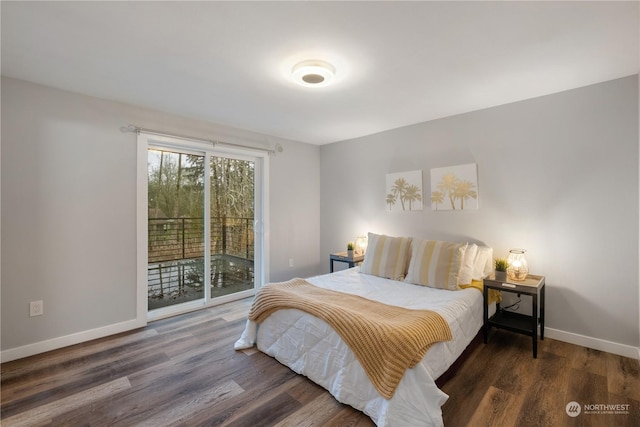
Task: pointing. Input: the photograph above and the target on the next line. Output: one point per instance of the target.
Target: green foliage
(350, 246)
(501, 264)
(176, 185)
(176, 188)
(232, 188)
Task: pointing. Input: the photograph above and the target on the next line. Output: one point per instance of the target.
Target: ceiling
(397, 63)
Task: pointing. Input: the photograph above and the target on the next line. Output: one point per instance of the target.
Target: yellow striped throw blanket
(386, 340)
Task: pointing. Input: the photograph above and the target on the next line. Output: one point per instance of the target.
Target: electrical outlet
(290, 262)
(36, 308)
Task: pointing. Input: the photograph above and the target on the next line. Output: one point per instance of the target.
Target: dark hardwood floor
(184, 371)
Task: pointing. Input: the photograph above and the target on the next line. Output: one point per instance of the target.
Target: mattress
(310, 347)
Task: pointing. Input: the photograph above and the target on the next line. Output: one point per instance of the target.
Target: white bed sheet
(309, 346)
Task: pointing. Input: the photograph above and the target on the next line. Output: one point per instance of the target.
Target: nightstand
(516, 322)
(343, 257)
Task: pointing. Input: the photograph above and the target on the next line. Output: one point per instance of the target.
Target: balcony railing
(176, 257)
(172, 239)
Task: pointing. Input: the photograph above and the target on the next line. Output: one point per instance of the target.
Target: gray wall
(557, 175)
(69, 208)
(68, 201)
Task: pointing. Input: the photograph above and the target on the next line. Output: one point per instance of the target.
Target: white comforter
(310, 347)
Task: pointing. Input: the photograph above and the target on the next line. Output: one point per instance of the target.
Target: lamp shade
(518, 268)
(361, 245)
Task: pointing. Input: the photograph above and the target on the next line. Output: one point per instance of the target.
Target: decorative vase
(518, 268)
(500, 275)
(350, 253)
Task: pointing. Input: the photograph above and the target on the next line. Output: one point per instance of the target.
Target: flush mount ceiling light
(313, 73)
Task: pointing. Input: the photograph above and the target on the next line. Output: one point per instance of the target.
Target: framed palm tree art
(454, 188)
(404, 191)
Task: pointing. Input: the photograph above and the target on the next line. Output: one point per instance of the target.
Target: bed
(310, 347)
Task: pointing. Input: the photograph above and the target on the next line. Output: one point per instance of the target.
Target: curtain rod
(137, 129)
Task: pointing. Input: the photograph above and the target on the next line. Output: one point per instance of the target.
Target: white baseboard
(595, 343)
(67, 340)
(56, 343)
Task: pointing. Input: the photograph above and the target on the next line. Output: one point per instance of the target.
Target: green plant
(350, 246)
(501, 264)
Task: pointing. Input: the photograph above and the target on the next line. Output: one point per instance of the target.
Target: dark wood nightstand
(342, 257)
(516, 322)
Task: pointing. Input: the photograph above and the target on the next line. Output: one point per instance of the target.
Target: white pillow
(436, 264)
(483, 264)
(489, 266)
(466, 269)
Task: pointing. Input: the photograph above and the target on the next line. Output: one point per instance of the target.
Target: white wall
(69, 210)
(295, 212)
(557, 175)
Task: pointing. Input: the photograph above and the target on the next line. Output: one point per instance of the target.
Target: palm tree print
(412, 195)
(404, 191)
(464, 190)
(457, 184)
(447, 185)
(436, 198)
(399, 189)
(391, 200)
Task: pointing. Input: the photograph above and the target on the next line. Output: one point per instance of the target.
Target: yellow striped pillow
(386, 256)
(436, 264)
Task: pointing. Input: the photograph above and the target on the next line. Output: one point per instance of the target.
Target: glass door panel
(232, 209)
(176, 245)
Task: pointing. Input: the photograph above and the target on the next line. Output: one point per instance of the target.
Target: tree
(176, 188)
(176, 183)
(232, 188)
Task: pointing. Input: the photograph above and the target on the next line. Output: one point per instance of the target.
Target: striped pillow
(436, 264)
(386, 256)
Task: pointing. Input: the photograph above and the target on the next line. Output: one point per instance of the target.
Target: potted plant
(350, 249)
(501, 266)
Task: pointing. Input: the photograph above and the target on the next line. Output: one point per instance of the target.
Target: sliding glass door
(202, 209)
(232, 218)
(175, 228)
